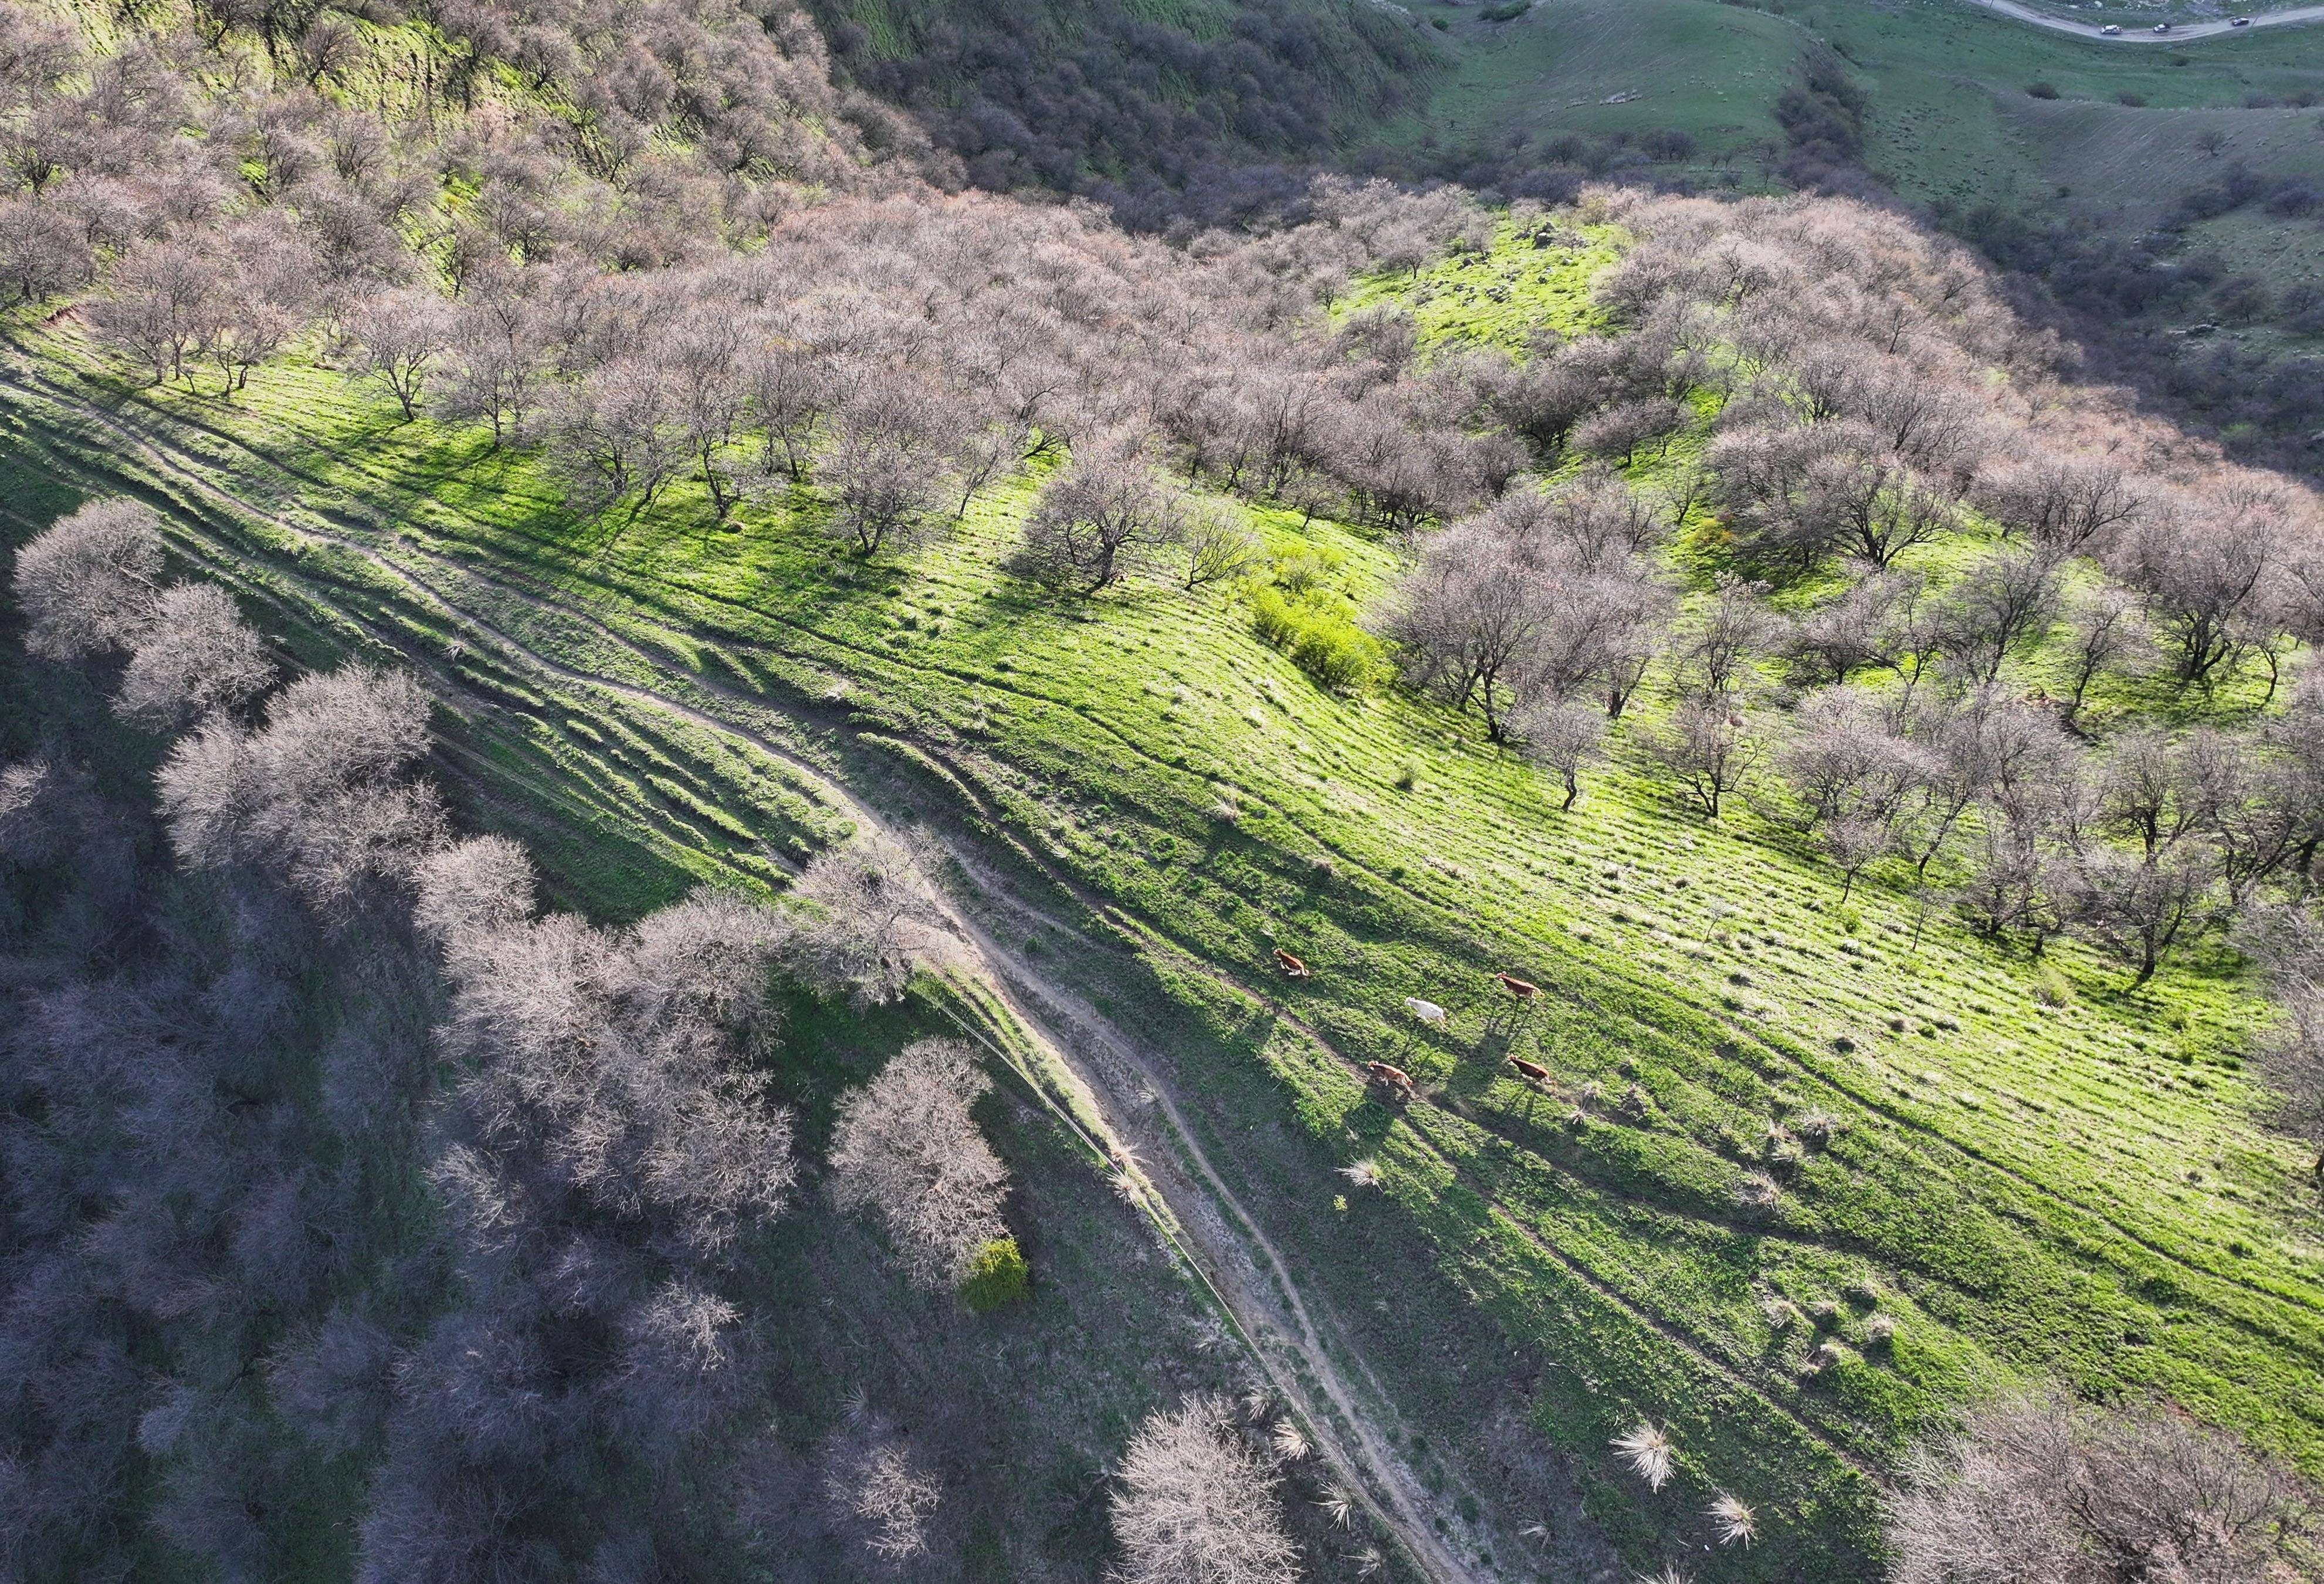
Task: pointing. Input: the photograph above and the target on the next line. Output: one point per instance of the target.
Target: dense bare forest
(330, 1147)
(1855, 421)
(244, 1201)
(327, 1147)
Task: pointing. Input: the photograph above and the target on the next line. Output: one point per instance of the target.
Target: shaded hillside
(1160, 112)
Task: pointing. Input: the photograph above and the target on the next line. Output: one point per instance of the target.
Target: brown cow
(1291, 966)
(1533, 1070)
(1518, 987)
(1394, 1080)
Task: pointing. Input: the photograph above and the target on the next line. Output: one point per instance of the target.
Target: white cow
(1427, 1012)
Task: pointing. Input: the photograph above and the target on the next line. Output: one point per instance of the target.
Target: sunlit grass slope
(2013, 1189)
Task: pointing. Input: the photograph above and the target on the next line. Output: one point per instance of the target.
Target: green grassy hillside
(1951, 120)
(1948, 121)
(2021, 1182)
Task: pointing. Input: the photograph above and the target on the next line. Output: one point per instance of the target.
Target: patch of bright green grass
(1504, 297)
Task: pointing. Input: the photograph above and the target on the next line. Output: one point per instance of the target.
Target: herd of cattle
(1394, 1081)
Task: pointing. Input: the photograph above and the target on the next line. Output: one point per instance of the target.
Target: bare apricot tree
(2041, 1487)
(882, 1493)
(325, 791)
(89, 582)
(1215, 547)
(864, 908)
(2290, 942)
(1195, 1505)
(1563, 739)
(485, 883)
(1101, 518)
(196, 655)
(1708, 749)
(403, 335)
(907, 1152)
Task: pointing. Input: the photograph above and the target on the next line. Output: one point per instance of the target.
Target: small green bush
(997, 1275)
(1509, 13)
(1273, 619)
(1334, 653)
(2050, 989)
(1325, 644)
(1297, 570)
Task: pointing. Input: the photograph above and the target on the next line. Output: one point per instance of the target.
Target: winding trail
(1069, 1032)
(1114, 1076)
(2138, 32)
(1638, 1312)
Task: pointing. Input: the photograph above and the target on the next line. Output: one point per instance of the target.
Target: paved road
(2137, 33)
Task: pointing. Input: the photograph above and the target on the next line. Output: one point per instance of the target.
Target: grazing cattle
(1518, 987)
(1291, 966)
(1394, 1080)
(1534, 1070)
(1428, 1012)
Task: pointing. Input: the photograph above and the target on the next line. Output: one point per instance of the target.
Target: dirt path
(1136, 1099)
(2138, 32)
(1638, 1312)
(2099, 1214)
(1065, 1026)
(1044, 1003)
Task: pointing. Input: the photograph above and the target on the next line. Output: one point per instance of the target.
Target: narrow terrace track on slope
(1387, 1485)
(1062, 1006)
(554, 603)
(1645, 1317)
(1129, 924)
(144, 437)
